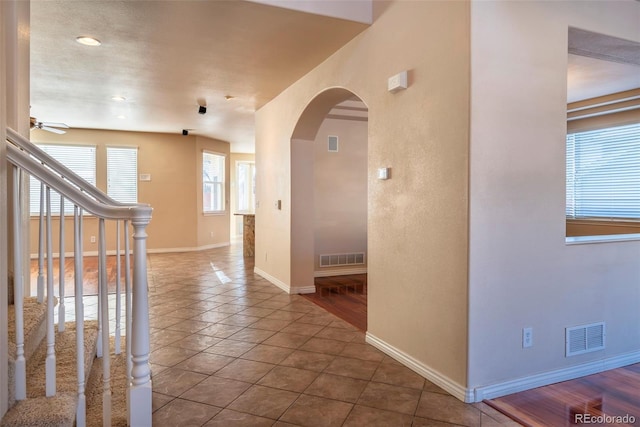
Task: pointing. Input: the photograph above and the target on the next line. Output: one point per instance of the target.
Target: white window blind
(213, 182)
(80, 159)
(122, 174)
(603, 173)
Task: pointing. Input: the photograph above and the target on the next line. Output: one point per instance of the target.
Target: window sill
(605, 238)
(216, 213)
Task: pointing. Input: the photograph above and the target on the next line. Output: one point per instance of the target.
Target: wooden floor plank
(344, 296)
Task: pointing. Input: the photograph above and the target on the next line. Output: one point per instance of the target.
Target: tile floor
(230, 349)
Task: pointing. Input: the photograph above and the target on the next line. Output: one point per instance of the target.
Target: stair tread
(34, 317)
(60, 410)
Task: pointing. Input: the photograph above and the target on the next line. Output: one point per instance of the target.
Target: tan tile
(165, 337)
(270, 324)
(285, 315)
(252, 335)
(336, 387)
(362, 351)
(267, 353)
(186, 312)
(301, 306)
(271, 304)
(220, 330)
(318, 319)
(211, 316)
(240, 320)
(174, 382)
(222, 299)
(170, 356)
(216, 391)
(336, 334)
(308, 360)
(184, 413)
(229, 418)
(315, 411)
(354, 368)
(230, 308)
(425, 422)
(398, 375)
(391, 398)
(264, 401)
(302, 329)
(429, 386)
(197, 342)
(191, 326)
(366, 416)
(282, 339)
(447, 408)
(287, 378)
(159, 400)
(230, 348)
(245, 370)
(257, 311)
(321, 345)
(205, 363)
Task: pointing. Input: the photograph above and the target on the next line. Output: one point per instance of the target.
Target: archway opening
(329, 149)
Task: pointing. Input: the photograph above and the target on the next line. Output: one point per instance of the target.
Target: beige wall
(522, 274)
(417, 221)
(340, 191)
(175, 190)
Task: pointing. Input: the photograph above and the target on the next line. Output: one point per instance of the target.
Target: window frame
(220, 184)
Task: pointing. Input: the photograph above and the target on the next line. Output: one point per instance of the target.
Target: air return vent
(584, 339)
(333, 143)
(334, 260)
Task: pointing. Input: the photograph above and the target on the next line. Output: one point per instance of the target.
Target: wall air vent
(584, 339)
(333, 143)
(335, 260)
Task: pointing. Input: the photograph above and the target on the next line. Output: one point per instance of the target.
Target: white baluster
(61, 260)
(18, 290)
(127, 291)
(140, 390)
(50, 364)
(106, 370)
(118, 302)
(81, 410)
(40, 290)
(127, 285)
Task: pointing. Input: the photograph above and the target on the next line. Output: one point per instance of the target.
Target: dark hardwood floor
(614, 393)
(344, 296)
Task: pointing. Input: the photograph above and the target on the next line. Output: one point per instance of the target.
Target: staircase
(88, 371)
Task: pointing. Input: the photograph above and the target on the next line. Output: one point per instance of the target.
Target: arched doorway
(329, 202)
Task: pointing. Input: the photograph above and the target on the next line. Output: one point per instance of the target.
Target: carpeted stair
(38, 410)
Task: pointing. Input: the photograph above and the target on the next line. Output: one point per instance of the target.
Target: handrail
(82, 199)
(26, 145)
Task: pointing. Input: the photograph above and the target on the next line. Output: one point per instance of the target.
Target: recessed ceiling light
(88, 41)
(118, 98)
(122, 117)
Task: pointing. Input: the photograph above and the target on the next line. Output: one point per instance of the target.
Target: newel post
(140, 387)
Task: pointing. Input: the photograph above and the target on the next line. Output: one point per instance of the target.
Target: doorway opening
(329, 151)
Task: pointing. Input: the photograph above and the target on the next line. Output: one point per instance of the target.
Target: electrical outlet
(93, 239)
(527, 337)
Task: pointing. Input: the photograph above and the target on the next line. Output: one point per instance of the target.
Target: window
(603, 173)
(122, 174)
(80, 159)
(213, 182)
(246, 186)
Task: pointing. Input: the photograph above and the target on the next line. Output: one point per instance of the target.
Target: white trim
(279, 283)
(545, 378)
(340, 272)
(444, 382)
(149, 251)
(303, 290)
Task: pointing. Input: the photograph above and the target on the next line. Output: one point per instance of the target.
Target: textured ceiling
(168, 57)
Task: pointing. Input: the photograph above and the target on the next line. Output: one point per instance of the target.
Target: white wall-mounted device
(398, 82)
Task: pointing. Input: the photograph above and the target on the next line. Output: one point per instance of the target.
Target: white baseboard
(455, 389)
(279, 283)
(551, 377)
(149, 251)
(340, 272)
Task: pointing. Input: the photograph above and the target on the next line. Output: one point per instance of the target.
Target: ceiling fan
(49, 127)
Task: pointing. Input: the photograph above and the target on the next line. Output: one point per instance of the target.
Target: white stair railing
(25, 157)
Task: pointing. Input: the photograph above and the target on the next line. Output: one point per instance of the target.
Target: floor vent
(584, 339)
(333, 260)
